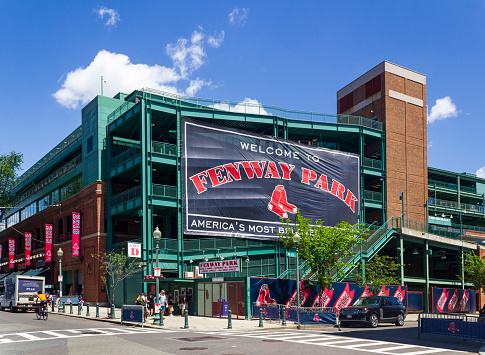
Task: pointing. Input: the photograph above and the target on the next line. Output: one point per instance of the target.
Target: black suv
(374, 309)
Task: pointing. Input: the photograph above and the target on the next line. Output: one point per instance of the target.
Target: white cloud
(246, 106)
(83, 84)
(113, 15)
(481, 173)
(443, 109)
(216, 41)
(239, 16)
(186, 55)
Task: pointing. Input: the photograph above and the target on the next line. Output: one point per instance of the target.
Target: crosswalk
(72, 333)
(337, 341)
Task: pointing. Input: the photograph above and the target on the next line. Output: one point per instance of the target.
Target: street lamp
(59, 254)
(296, 239)
(156, 236)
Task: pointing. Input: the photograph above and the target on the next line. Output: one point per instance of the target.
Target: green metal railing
(372, 163)
(60, 148)
(465, 207)
(120, 111)
(211, 244)
(126, 196)
(165, 190)
(249, 108)
(164, 148)
(124, 156)
(451, 186)
(372, 196)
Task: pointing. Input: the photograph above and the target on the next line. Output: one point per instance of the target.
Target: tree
(323, 247)
(117, 267)
(474, 267)
(9, 165)
(380, 271)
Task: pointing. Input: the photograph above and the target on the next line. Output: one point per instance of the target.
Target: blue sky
(290, 54)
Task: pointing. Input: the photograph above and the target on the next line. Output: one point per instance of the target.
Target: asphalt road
(22, 333)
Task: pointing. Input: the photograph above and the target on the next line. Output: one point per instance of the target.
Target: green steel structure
(144, 167)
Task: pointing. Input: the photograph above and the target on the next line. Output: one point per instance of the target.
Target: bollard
(261, 318)
(97, 310)
(112, 311)
(87, 310)
(161, 318)
(186, 326)
(79, 309)
(283, 320)
(229, 320)
(70, 308)
(59, 308)
(52, 304)
(63, 307)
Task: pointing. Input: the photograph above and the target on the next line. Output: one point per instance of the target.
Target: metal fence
(307, 315)
(453, 325)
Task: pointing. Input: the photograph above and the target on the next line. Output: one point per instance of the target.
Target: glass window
(89, 144)
(55, 197)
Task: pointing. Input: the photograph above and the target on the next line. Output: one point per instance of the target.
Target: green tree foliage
(381, 270)
(116, 267)
(9, 165)
(323, 248)
(474, 268)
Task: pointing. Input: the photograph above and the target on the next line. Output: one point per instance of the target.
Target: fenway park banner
(239, 183)
(451, 300)
(266, 292)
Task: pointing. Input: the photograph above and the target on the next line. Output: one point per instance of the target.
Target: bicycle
(42, 313)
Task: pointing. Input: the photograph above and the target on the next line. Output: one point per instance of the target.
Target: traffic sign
(291, 254)
(157, 271)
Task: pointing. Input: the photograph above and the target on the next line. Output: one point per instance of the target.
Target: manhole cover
(272, 340)
(194, 348)
(91, 333)
(199, 339)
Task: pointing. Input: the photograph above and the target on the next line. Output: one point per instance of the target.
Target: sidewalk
(197, 323)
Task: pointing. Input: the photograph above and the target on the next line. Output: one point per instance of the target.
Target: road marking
(337, 341)
(74, 333)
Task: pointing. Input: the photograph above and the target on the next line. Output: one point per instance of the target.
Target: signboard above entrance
(219, 266)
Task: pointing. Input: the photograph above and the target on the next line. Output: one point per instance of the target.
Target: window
(89, 145)
(346, 102)
(373, 86)
(55, 197)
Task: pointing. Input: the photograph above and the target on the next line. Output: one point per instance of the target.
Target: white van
(19, 292)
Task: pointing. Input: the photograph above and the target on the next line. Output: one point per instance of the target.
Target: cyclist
(43, 301)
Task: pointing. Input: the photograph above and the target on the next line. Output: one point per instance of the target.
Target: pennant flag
(28, 247)
(48, 242)
(76, 231)
(11, 252)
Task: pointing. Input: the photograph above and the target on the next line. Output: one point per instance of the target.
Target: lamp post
(59, 254)
(296, 239)
(156, 236)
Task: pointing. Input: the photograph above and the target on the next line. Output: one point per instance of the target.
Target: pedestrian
(182, 300)
(81, 301)
(163, 301)
(151, 303)
(170, 304)
(58, 298)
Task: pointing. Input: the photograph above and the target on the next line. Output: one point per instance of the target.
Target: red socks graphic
(279, 203)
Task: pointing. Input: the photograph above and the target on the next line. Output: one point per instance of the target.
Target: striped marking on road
(337, 341)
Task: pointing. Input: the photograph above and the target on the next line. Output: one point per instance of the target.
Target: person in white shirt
(163, 301)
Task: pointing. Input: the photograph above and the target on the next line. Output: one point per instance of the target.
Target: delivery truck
(20, 292)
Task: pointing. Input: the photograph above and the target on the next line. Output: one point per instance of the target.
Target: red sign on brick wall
(76, 231)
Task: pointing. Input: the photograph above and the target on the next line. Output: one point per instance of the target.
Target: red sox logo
(279, 203)
(131, 315)
(316, 318)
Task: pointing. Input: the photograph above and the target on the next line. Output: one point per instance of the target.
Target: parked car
(374, 310)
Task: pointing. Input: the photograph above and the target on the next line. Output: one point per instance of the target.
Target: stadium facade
(123, 171)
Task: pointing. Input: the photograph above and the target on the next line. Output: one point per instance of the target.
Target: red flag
(28, 247)
(76, 231)
(48, 242)
(11, 252)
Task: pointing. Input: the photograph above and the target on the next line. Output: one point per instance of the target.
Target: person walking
(81, 301)
(163, 302)
(170, 304)
(182, 300)
(151, 303)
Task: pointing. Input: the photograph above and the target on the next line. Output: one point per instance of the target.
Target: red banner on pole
(11, 252)
(48, 242)
(76, 231)
(28, 247)
(1, 253)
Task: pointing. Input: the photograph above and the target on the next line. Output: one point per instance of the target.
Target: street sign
(157, 307)
(291, 254)
(134, 250)
(157, 271)
(59, 278)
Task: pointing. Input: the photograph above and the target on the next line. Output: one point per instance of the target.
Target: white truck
(20, 292)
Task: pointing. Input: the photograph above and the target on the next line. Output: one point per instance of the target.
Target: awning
(11, 274)
(35, 272)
